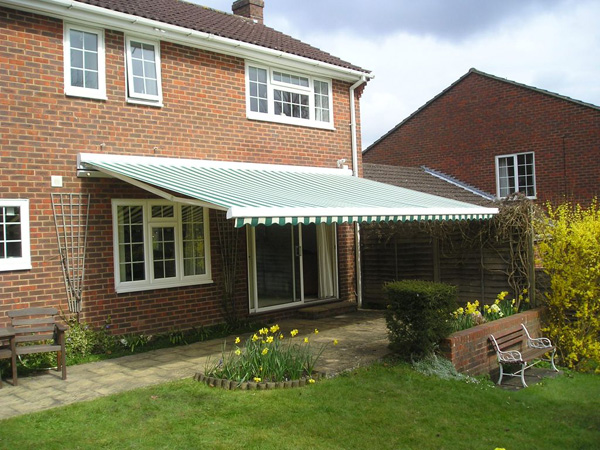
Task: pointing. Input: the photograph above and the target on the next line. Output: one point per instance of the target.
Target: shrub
(570, 253)
(417, 315)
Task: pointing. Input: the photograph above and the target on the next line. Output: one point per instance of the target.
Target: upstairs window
(160, 244)
(143, 71)
(84, 62)
(286, 97)
(14, 235)
(515, 173)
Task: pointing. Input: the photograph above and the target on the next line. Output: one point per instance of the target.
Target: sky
(417, 48)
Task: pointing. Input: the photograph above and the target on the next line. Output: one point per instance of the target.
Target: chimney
(252, 9)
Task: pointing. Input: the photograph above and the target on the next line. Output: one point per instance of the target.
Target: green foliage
(570, 252)
(268, 355)
(417, 315)
(82, 340)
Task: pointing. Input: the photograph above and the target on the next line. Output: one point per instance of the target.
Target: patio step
(327, 310)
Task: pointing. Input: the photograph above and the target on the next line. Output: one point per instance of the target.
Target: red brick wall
(204, 117)
(462, 131)
(471, 351)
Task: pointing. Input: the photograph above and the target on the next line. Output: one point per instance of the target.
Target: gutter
(97, 16)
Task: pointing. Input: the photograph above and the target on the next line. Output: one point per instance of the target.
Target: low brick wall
(471, 351)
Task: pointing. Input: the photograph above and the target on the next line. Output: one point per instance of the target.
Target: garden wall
(471, 351)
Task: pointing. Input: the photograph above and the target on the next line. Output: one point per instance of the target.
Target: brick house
(501, 137)
(139, 136)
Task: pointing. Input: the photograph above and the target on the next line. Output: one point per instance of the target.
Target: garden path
(362, 338)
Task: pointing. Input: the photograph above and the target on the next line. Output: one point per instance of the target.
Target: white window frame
(149, 281)
(24, 261)
(272, 85)
(77, 91)
(132, 96)
(515, 156)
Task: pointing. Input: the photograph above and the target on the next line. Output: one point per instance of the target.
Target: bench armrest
(7, 332)
(509, 356)
(539, 342)
(62, 327)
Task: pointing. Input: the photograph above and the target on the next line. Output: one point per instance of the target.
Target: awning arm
(153, 190)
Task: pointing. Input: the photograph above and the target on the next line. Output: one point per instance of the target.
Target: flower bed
(252, 385)
(470, 350)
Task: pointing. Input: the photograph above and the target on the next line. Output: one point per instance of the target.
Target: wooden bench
(35, 330)
(517, 347)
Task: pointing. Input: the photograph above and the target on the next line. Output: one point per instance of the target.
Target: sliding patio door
(291, 265)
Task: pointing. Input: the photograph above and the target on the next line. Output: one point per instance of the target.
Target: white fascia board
(83, 158)
(240, 212)
(127, 23)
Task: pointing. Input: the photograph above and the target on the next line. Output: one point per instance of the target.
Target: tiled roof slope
(418, 179)
(207, 20)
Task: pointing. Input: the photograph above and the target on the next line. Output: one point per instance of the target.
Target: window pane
(258, 89)
(76, 39)
(151, 87)
(90, 42)
(13, 232)
(192, 218)
(76, 78)
(131, 243)
(91, 61)
(13, 250)
(76, 58)
(138, 67)
(91, 79)
(138, 85)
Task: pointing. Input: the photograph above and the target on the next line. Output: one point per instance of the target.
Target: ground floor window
(159, 244)
(291, 265)
(14, 235)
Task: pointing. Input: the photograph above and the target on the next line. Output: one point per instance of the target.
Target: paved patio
(362, 338)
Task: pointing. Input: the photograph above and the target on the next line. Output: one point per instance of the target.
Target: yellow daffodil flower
(274, 329)
(316, 331)
(238, 352)
(265, 351)
(269, 339)
(255, 338)
(281, 336)
(263, 331)
(294, 332)
(335, 342)
(311, 381)
(237, 340)
(257, 379)
(306, 340)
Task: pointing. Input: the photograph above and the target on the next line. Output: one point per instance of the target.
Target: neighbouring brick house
(180, 123)
(501, 137)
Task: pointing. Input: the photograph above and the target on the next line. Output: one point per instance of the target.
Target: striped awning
(254, 194)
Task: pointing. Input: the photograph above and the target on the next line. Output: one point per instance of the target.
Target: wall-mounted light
(340, 162)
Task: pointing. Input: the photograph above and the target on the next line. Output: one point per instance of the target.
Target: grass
(383, 406)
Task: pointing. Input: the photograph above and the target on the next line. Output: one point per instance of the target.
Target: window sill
(92, 96)
(14, 266)
(288, 121)
(138, 101)
(122, 289)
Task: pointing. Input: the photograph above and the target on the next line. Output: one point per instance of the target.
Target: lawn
(382, 406)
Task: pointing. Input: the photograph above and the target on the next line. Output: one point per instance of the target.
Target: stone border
(232, 385)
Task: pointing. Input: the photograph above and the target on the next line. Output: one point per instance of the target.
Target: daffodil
(237, 340)
(274, 329)
(306, 340)
(269, 339)
(311, 381)
(281, 336)
(263, 331)
(335, 342)
(294, 332)
(265, 351)
(316, 331)
(255, 338)
(257, 379)
(238, 352)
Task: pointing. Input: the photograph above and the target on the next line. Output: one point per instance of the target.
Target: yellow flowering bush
(570, 253)
(268, 356)
(472, 314)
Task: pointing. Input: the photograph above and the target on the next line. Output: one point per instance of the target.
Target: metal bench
(517, 347)
(34, 330)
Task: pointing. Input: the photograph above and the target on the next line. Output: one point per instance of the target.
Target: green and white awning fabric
(255, 194)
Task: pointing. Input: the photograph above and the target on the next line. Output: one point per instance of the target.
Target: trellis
(71, 212)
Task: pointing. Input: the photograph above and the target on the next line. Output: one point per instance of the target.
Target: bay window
(160, 244)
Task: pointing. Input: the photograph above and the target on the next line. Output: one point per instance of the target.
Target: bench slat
(31, 330)
(34, 338)
(41, 320)
(32, 312)
(28, 349)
